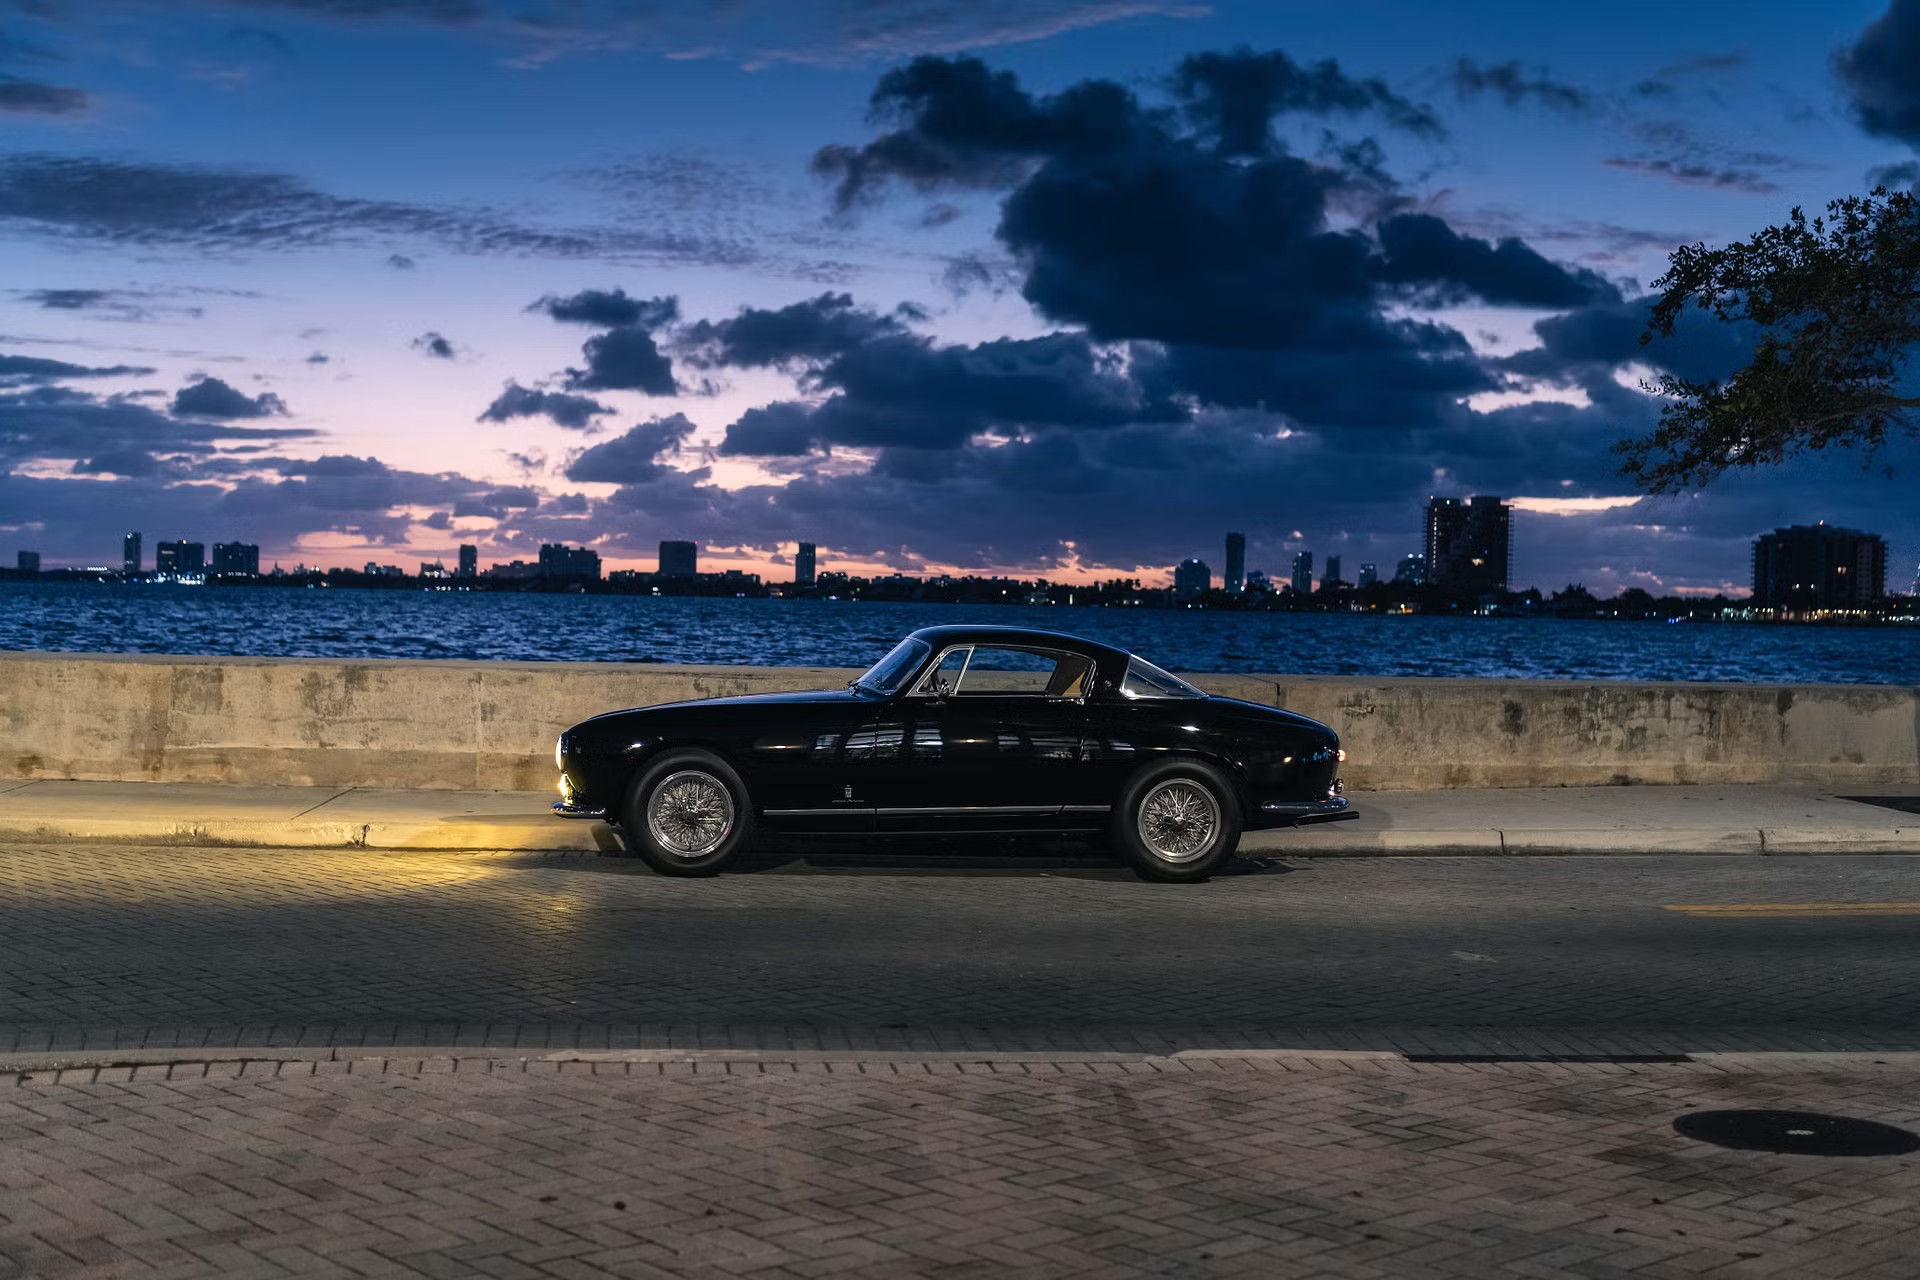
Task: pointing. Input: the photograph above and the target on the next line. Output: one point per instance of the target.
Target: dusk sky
(1053, 287)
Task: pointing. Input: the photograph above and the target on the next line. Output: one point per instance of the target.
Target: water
(345, 623)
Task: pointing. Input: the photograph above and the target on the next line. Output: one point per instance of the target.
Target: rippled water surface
(336, 623)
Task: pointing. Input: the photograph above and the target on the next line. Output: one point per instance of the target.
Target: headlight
(1341, 755)
(560, 752)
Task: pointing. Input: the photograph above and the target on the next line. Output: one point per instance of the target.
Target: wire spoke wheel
(690, 813)
(1179, 820)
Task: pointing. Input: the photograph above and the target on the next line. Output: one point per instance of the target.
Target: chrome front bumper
(561, 809)
(1302, 812)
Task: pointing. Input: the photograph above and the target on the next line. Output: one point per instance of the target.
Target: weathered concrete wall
(491, 725)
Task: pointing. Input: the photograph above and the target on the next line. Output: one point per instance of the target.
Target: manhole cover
(1799, 1133)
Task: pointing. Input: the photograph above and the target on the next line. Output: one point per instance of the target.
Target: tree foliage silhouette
(1836, 300)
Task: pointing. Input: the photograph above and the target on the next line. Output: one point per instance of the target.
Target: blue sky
(298, 197)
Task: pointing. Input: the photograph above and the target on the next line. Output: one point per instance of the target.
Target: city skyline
(474, 304)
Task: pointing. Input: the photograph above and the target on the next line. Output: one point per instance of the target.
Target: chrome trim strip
(561, 809)
(1086, 808)
(978, 808)
(813, 813)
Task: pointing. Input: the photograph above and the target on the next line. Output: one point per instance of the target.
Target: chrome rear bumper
(1302, 812)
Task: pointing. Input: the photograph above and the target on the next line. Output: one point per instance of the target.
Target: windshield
(1144, 680)
(892, 671)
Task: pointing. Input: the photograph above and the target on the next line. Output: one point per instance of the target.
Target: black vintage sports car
(959, 729)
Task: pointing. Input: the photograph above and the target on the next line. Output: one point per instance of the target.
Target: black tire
(699, 770)
(1182, 782)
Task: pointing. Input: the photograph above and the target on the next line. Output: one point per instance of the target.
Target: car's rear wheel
(688, 814)
(1177, 822)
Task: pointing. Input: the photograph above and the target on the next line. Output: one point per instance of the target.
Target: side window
(1144, 680)
(1027, 672)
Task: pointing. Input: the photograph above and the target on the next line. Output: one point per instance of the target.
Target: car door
(989, 740)
(812, 765)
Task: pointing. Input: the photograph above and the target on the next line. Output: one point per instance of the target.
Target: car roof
(944, 636)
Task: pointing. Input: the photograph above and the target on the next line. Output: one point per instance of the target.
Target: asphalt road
(121, 945)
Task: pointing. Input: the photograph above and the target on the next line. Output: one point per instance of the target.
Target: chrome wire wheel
(1179, 820)
(690, 813)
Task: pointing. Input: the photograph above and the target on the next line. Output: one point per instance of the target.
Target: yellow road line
(1782, 909)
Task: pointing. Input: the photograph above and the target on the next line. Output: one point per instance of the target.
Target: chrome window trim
(919, 690)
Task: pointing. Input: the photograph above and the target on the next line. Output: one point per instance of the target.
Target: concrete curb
(549, 835)
(20, 1065)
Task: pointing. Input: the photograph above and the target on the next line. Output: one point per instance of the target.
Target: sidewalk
(1590, 820)
(1277, 1165)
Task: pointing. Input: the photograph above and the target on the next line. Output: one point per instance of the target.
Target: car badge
(849, 793)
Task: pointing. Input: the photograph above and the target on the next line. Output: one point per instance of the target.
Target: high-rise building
(236, 559)
(1369, 573)
(1411, 569)
(1469, 544)
(558, 560)
(469, 561)
(27, 562)
(130, 554)
(1819, 569)
(1191, 578)
(1333, 571)
(679, 559)
(1236, 563)
(179, 559)
(1302, 572)
(803, 572)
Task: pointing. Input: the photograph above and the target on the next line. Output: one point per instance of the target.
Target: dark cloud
(30, 97)
(613, 309)
(1882, 72)
(70, 299)
(1674, 151)
(212, 398)
(818, 328)
(783, 429)
(624, 359)
(1588, 344)
(633, 457)
(574, 412)
(1904, 176)
(128, 304)
(1423, 251)
(904, 391)
(17, 370)
(1233, 98)
(51, 423)
(434, 345)
(121, 462)
(222, 210)
(1516, 88)
(830, 32)
(401, 262)
(1696, 175)
(319, 357)
(1665, 82)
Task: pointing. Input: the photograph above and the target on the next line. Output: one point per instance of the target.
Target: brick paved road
(1198, 1168)
(112, 945)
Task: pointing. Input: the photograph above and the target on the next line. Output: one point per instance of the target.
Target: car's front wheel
(688, 814)
(1177, 821)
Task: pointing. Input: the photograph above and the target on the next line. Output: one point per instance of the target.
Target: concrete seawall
(491, 725)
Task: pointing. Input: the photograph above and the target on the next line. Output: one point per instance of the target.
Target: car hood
(743, 700)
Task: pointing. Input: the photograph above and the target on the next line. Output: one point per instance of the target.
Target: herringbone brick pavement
(1266, 1167)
